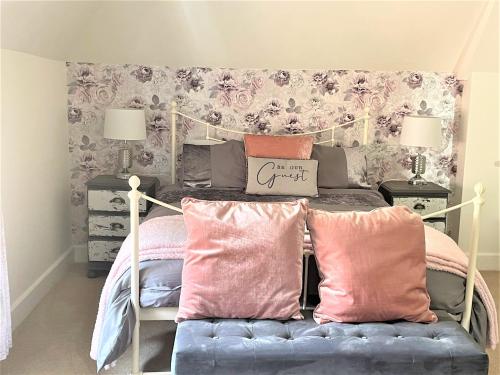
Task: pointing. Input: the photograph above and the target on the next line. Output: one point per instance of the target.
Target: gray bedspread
(160, 280)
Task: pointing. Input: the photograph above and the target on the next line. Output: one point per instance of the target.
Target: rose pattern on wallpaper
(259, 101)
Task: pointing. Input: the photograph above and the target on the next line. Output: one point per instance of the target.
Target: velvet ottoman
(233, 346)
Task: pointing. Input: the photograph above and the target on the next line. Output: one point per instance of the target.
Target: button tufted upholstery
(231, 346)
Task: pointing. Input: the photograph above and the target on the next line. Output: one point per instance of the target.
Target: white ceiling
(374, 35)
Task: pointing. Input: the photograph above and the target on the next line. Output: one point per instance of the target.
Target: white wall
(35, 187)
(477, 140)
(481, 153)
(372, 35)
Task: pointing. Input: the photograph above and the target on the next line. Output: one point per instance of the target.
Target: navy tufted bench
(231, 346)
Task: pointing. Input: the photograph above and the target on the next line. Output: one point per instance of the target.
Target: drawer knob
(116, 226)
(419, 206)
(117, 200)
(115, 250)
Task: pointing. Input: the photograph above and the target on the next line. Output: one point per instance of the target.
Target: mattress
(332, 200)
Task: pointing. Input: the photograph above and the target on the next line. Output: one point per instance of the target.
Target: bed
(149, 288)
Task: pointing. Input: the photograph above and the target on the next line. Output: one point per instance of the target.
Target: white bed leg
(134, 195)
(173, 142)
(366, 124)
(478, 201)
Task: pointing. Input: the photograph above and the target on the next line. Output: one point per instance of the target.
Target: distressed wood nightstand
(109, 221)
(423, 199)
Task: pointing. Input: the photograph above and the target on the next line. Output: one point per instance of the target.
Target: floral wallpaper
(259, 101)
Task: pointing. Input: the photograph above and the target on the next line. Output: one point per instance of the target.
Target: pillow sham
(228, 165)
(278, 146)
(242, 259)
(282, 177)
(196, 171)
(372, 265)
(340, 167)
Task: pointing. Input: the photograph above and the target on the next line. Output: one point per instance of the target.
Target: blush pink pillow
(242, 260)
(372, 266)
(278, 146)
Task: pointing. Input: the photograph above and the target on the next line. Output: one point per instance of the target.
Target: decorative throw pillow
(242, 259)
(196, 171)
(340, 167)
(278, 146)
(228, 165)
(372, 265)
(282, 177)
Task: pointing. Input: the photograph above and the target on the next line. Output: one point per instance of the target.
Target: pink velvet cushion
(279, 147)
(242, 259)
(372, 265)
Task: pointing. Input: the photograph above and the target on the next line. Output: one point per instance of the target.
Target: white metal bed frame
(173, 136)
(169, 313)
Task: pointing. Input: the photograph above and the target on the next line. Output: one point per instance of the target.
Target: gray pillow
(340, 167)
(196, 171)
(282, 177)
(228, 165)
(332, 166)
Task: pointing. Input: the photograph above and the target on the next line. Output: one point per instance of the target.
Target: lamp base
(125, 160)
(418, 167)
(417, 180)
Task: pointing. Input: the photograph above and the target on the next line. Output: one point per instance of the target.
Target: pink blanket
(159, 238)
(163, 238)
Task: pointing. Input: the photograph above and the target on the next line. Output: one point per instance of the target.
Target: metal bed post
(478, 201)
(305, 286)
(366, 123)
(173, 142)
(134, 195)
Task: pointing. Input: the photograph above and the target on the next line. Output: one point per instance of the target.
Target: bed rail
(168, 313)
(173, 133)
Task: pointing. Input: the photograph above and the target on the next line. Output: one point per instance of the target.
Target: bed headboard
(209, 139)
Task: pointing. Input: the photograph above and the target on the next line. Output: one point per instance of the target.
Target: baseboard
(81, 253)
(488, 262)
(27, 301)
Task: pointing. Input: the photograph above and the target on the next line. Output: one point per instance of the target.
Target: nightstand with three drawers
(422, 199)
(109, 218)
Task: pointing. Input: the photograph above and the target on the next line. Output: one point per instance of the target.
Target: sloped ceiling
(381, 35)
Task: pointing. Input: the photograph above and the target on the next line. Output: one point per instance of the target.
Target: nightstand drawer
(114, 226)
(112, 200)
(422, 206)
(103, 250)
(110, 225)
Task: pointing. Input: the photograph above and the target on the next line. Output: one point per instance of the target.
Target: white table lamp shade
(421, 132)
(125, 124)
